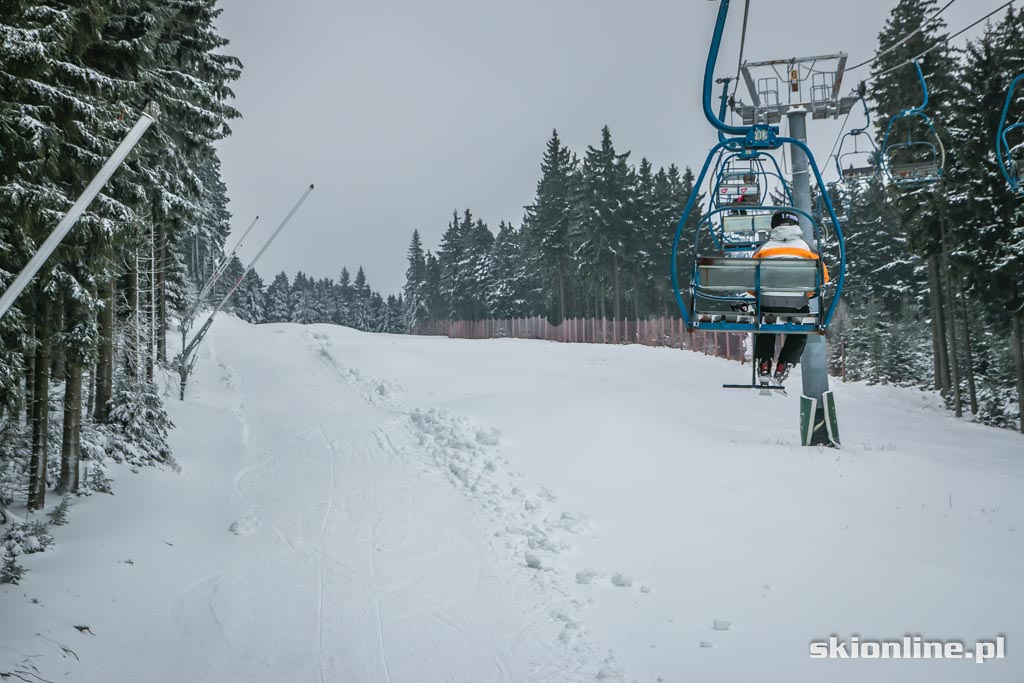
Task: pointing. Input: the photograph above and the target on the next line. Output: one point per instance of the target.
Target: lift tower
(794, 88)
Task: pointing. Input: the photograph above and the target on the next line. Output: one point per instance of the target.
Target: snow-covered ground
(356, 507)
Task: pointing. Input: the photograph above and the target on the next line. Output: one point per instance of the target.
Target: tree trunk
(561, 294)
(616, 302)
(1018, 361)
(105, 361)
(150, 356)
(161, 284)
(954, 364)
(30, 380)
(636, 290)
(90, 392)
(972, 386)
(938, 326)
(575, 299)
(69, 450)
(56, 350)
(40, 414)
(134, 319)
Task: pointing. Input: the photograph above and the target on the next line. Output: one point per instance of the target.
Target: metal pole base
(819, 425)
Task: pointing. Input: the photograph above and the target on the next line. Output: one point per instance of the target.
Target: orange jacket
(786, 241)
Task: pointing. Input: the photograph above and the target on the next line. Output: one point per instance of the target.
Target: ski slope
(355, 507)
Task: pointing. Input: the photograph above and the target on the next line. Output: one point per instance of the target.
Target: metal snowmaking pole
(186, 322)
(186, 361)
(219, 270)
(814, 361)
(149, 115)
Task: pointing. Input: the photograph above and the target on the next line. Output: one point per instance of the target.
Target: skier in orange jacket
(784, 241)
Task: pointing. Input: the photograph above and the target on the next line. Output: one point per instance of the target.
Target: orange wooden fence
(668, 332)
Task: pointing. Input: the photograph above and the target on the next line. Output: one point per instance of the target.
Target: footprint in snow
(622, 581)
(586, 576)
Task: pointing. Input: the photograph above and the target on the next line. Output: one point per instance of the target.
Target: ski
(765, 387)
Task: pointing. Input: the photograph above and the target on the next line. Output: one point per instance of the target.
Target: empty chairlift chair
(1011, 155)
(912, 152)
(852, 162)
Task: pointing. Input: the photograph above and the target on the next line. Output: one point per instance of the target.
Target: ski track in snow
(467, 455)
(369, 450)
(331, 455)
(370, 551)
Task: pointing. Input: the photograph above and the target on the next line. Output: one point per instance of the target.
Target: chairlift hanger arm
(709, 75)
(924, 91)
(862, 91)
(724, 105)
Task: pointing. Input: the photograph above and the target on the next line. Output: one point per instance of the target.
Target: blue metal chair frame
(755, 140)
(751, 301)
(1011, 168)
(756, 159)
(855, 133)
(842, 212)
(933, 150)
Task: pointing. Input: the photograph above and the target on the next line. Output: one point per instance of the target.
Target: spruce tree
(984, 232)
(250, 299)
(437, 303)
(278, 300)
(344, 296)
(511, 283)
(547, 227)
(602, 217)
(895, 86)
(361, 301)
(415, 282)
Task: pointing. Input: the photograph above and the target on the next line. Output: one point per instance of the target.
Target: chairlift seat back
(747, 224)
(915, 171)
(796, 276)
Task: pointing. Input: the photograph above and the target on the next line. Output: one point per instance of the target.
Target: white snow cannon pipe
(217, 272)
(149, 115)
(266, 245)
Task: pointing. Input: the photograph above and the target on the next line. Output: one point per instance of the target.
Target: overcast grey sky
(402, 110)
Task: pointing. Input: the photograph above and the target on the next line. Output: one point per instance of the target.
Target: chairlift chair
(736, 220)
(914, 160)
(727, 293)
(1010, 157)
(847, 165)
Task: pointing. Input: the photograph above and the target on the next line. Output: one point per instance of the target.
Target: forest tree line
(307, 300)
(80, 349)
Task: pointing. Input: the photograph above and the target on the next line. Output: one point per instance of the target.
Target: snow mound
(532, 561)
(610, 669)
(621, 580)
(244, 525)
